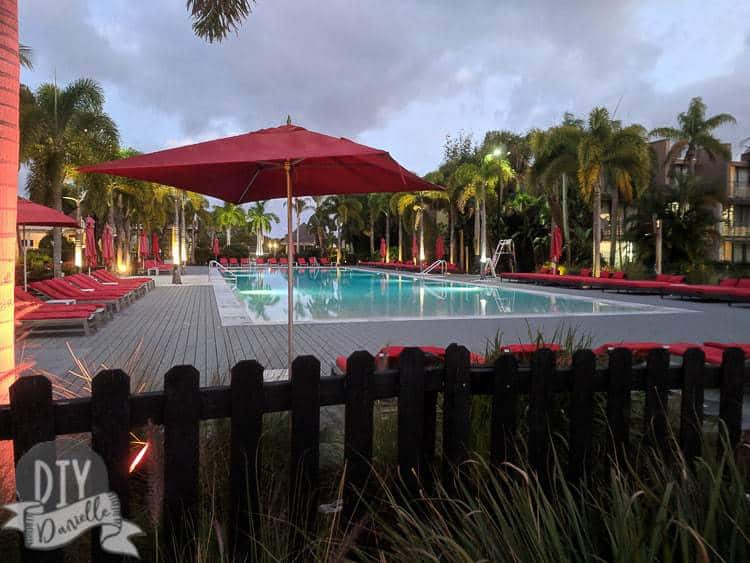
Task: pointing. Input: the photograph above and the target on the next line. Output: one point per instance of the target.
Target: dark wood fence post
(110, 438)
(540, 402)
(358, 429)
(182, 410)
(411, 418)
(691, 412)
(33, 422)
(581, 414)
(657, 398)
(730, 401)
(305, 458)
(456, 410)
(248, 405)
(618, 400)
(504, 410)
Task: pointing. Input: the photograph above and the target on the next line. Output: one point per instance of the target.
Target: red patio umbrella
(216, 249)
(439, 248)
(91, 255)
(414, 248)
(108, 246)
(155, 248)
(30, 214)
(143, 249)
(383, 249)
(287, 161)
(555, 246)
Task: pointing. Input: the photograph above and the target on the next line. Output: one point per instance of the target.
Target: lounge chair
(233, 263)
(223, 261)
(389, 357)
(713, 354)
(35, 315)
(108, 277)
(156, 267)
(723, 346)
(324, 261)
(283, 262)
(301, 261)
(272, 262)
(244, 261)
(88, 283)
(639, 349)
(59, 289)
(260, 261)
(314, 261)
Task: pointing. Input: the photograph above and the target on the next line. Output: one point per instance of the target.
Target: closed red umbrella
(155, 247)
(287, 161)
(91, 256)
(216, 249)
(143, 249)
(108, 246)
(555, 247)
(439, 248)
(383, 249)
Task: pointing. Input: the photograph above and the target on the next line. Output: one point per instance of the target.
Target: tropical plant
(320, 221)
(228, 216)
(473, 189)
(299, 206)
(259, 220)
(213, 20)
(348, 217)
(695, 134)
(610, 154)
(63, 128)
(509, 154)
(414, 204)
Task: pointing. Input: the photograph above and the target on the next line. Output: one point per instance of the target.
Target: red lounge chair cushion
(676, 279)
(723, 346)
(635, 347)
(390, 356)
(618, 275)
(527, 349)
(713, 355)
(663, 277)
(743, 283)
(586, 273)
(729, 282)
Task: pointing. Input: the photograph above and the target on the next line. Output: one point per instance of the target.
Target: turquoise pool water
(345, 294)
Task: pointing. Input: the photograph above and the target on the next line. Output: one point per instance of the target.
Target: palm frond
(213, 20)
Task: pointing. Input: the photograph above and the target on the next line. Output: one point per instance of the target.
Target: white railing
(442, 264)
(214, 265)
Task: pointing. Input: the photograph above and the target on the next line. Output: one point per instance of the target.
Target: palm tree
(300, 205)
(348, 216)
(556, 160)
(63, 128)
(320, 220)
(259, 220)
(214, 19)
(228, 216)
(469, 177)
(695, 133)
(512, 154)
(611, 153)
(394, 207)
(377, 204)
(417, 204)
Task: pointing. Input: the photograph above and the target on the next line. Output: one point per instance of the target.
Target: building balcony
(735, 231)
(739, 190)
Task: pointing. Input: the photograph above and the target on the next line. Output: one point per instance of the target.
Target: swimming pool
(350, 294)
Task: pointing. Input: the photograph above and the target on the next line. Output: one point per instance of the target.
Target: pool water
(345, 294)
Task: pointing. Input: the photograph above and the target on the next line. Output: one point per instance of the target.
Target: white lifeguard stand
(504, 247)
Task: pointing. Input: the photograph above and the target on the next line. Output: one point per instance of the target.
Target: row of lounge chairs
(154, 267)
(78, 302)
(728, 289)
(407, 266)
(301, 261)
(388, 357)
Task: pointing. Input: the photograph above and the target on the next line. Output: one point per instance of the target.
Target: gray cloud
(367, 68)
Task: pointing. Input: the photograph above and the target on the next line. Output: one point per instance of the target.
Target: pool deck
(181, 325)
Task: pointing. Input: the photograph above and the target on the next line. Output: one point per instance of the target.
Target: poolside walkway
(181, 325)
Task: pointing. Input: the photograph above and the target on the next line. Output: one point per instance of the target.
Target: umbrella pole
(290, 269)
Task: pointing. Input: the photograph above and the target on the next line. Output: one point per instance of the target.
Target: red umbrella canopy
(439, 248)
(91, 257)
(555, 247)
(383, 249)
(155, 248)
(108, 246)
(216, 249)
(30, 213)
(250, 167)
(143, 249)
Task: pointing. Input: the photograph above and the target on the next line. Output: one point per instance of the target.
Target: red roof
(34, 214)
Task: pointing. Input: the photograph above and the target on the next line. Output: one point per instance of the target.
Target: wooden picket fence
(111, 412)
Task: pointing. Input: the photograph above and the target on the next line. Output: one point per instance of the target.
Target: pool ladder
(442, 264)
(213, 264)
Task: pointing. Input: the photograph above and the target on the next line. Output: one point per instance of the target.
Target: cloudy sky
(396, 74)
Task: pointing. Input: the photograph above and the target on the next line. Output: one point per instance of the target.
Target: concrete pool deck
(181, 325)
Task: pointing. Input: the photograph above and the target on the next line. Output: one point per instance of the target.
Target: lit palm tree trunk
(176, 277)
(259, 243)
(387, 236)
(477, 231)
(400, 239)
(421, 238)
(9, 86)
(597, 228)
(372, 234)
(451, 233)
(566, 226)
(614, 209)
